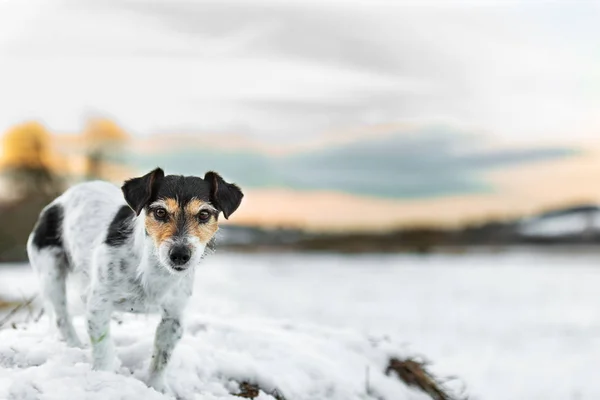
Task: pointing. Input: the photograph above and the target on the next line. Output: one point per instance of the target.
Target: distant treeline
(19, 217)
(421, 239)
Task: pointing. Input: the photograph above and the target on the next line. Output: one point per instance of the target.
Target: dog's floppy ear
(139, 191)
(225, 196)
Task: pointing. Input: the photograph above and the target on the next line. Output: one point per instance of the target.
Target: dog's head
(181, 213)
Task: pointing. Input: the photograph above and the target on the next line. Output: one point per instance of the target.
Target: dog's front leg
(98, 326)
(168, 333)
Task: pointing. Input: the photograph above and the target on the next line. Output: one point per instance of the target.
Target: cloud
(422, 163)
(289, 70)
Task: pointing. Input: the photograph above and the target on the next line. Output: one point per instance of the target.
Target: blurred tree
(29, 184)
(27, 161)
(104, 141)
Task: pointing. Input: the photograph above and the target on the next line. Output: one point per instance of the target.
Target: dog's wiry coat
(132, 250)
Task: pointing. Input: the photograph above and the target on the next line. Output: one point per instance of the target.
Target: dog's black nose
(179, 255)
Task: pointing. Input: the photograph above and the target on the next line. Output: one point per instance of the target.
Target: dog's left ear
(225, 196)
(139, 191)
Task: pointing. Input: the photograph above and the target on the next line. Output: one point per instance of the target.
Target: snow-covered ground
(511, 326)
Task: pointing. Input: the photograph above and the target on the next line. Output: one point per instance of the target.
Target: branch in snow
(15, 310)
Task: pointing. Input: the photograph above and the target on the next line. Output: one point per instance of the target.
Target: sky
(288, 71)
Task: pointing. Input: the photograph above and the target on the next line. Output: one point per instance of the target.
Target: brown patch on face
(172, 206)
(204, 231)
(164, 230)
(160, 231)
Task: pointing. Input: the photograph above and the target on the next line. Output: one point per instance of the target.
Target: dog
(132, 250)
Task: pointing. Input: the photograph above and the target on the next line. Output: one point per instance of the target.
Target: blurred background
(462, 136)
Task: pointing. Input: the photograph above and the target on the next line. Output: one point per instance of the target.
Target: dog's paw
(160, 385)
(125, 371)
(75, 343)
(109, 364)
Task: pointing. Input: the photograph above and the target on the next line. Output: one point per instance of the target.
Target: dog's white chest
(149, 295)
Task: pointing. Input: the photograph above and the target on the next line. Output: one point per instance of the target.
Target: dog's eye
(160, 214)
(204, 215)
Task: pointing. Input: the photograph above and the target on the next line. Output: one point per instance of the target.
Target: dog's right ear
(139, 191)
(225, 196)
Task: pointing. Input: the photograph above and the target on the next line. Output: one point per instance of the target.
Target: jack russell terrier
(134, 250)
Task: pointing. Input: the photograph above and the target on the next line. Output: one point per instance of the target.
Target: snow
(301, 362)
(517, 325)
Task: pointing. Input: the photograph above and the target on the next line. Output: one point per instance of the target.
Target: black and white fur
(98, 233)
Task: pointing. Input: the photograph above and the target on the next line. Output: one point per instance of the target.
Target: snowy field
(511, 326)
